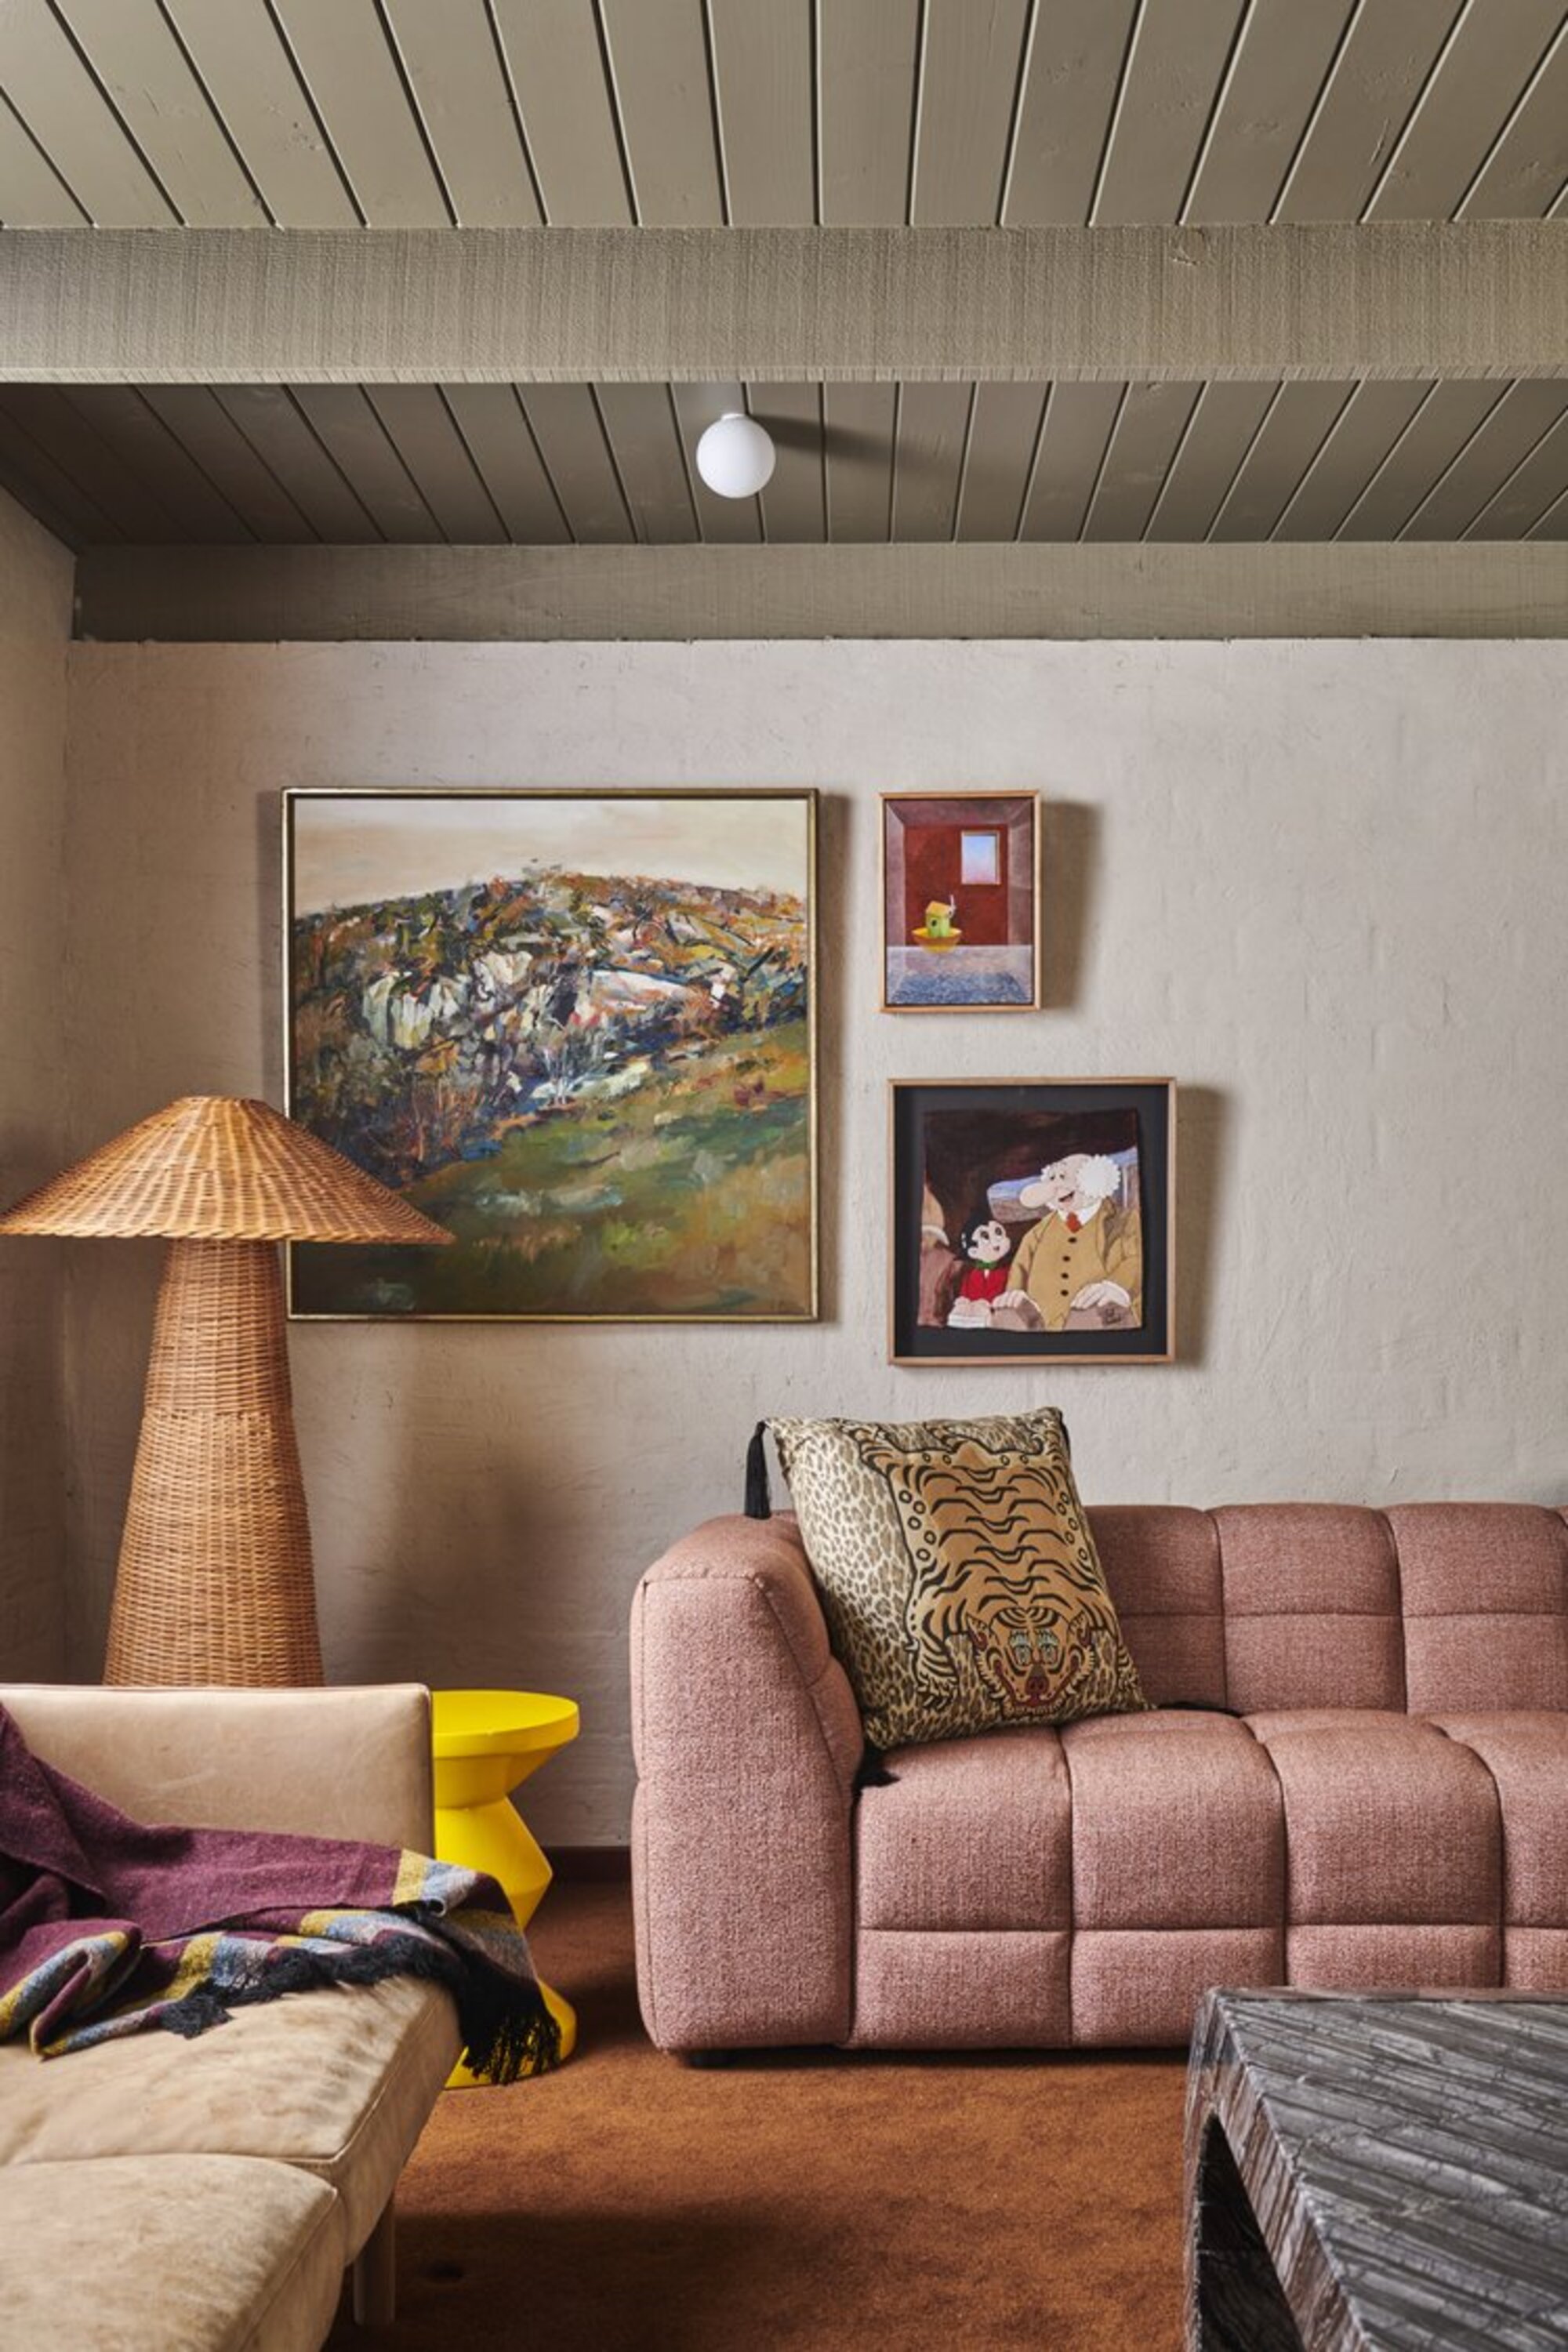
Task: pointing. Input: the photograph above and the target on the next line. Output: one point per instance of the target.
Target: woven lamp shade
(216, 1168)
(216, 1582)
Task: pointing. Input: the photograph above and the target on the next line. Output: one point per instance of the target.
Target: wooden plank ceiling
(549, 465)
(409, 113)
(517, 114)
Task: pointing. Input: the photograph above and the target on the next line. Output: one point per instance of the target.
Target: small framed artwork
(576, 1028)
(961, 902)
(1033, 1220)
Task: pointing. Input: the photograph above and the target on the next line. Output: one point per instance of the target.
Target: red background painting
(932, 870)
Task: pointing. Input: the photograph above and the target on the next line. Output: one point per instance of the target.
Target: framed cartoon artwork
(576, 1028)
(961, 902)
(1033, 1220)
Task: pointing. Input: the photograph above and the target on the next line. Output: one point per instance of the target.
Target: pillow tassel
(759, 1502)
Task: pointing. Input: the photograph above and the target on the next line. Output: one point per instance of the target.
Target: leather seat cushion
(338, 2082)
(172, 2253)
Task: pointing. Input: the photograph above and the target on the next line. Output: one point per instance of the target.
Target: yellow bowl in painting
(937, 944)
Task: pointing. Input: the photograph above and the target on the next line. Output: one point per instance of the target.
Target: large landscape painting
(573, 1028)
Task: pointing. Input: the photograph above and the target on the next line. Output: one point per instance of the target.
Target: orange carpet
(804, 2200)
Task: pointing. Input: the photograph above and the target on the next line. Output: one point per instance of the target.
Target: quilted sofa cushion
(969, 1834)
(1485, 1592)
(1394, 1840)
(1162, 1562)
(338, 2083)
(194, 2254)
(964, 1881)
(1085, 1885)
(1176, 1822)
(1311, 1607)
(1527, 1755)
(1385, 1819)
(1178, 1870)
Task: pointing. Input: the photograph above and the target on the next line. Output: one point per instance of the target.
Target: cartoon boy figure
(983, 1245)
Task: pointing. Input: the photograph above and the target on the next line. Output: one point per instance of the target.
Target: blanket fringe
(508, 2031)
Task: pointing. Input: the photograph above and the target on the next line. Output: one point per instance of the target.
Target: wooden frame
(1003, 813)
(1007, 1128)
(701, 1018)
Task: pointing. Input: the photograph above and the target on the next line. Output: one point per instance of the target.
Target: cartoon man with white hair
(1082, 1266)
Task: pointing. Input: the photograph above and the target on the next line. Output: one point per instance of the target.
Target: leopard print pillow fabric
(958, 1575)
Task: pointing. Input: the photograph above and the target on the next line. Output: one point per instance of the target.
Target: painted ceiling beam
(1405, 299)
(1486, 588)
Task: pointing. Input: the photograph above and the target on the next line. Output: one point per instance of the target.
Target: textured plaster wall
(1319, 882)
(36, 576)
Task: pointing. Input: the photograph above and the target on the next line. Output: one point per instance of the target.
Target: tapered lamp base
(216, 1582)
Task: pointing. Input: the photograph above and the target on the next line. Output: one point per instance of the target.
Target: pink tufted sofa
(1388, 1804)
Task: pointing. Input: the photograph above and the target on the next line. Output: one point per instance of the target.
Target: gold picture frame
(559, 1053)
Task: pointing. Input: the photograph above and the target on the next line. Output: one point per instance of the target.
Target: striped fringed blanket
(107, 1925)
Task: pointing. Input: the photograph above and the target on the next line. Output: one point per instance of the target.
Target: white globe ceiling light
(735, 456)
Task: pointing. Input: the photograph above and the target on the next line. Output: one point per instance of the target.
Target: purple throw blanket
(107, 1925)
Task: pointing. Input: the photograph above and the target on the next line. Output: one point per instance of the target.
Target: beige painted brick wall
(1320, 882)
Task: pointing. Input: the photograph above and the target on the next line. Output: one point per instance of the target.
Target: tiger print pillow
(958, 1574)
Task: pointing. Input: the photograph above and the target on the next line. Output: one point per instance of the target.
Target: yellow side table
(486, 1743)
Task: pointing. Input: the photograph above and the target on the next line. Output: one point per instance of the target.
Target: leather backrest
(345, 1763)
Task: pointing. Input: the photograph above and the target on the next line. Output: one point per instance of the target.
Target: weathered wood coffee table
(1378, 2172)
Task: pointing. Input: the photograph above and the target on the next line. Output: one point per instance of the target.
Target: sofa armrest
(747, 1740)
(349, 1763)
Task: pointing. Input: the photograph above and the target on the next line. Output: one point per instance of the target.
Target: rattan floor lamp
(216, 1582)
